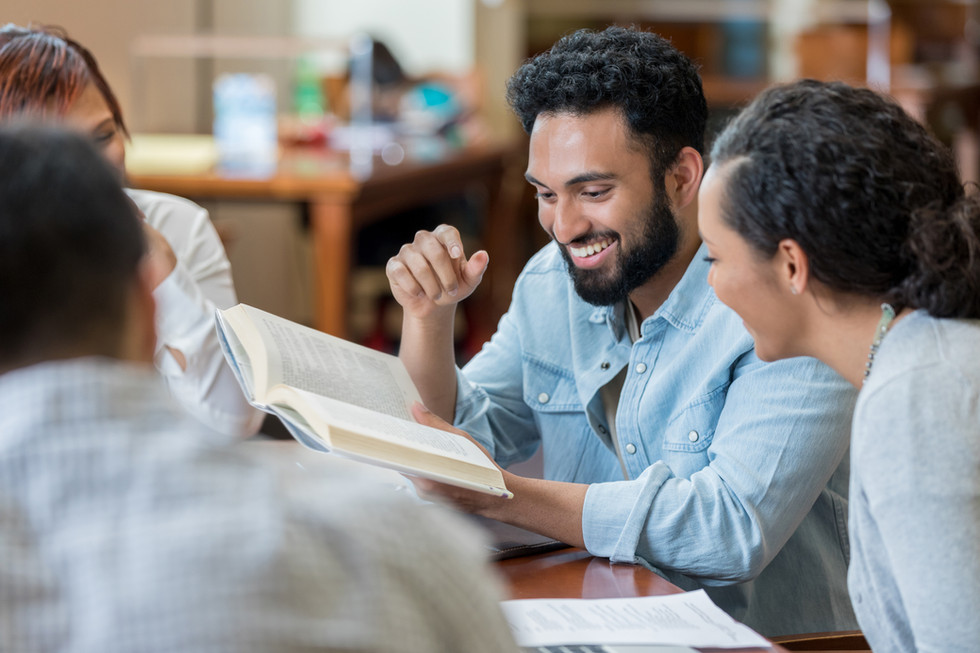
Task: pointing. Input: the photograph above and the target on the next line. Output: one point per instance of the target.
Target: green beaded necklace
(887, 315)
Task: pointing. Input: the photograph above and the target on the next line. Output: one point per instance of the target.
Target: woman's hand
(160, 256)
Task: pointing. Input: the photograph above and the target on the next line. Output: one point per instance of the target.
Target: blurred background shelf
(924, 52)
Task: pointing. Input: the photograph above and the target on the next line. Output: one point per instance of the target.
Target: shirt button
(605, 365)
(602, 429)
(693, 436)
(641, 368)
(631, 448)
(543, 398)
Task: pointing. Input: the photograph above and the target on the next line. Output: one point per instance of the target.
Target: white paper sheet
(690, 618)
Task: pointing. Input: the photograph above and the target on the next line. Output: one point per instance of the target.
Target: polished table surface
(340, 202)
(575, 573)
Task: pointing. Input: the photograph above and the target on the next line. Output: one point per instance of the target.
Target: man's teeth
(591, 248)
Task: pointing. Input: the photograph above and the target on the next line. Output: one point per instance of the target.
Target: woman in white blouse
(45, 74)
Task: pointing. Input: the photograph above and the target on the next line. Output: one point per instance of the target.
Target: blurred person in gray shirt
(122, 528)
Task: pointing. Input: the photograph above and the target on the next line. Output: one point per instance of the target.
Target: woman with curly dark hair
(838, 228)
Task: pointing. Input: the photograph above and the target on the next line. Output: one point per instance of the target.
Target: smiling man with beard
(666, 441)
(656, 245)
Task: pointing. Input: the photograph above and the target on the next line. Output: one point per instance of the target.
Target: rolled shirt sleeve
(777, 441)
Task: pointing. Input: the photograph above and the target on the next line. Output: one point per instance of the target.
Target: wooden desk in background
(339, 204)
(576, 574)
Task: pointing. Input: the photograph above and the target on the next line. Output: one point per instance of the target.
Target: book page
(690, 618)
(322, 364)
(385, 428)
(236, 356)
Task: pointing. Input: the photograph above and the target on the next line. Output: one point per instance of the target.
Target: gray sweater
(914, 576)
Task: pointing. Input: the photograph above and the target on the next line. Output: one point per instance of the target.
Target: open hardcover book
(341, 397)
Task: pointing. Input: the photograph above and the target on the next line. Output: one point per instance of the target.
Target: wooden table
(575, 573)
(339, 203)
(565, 573)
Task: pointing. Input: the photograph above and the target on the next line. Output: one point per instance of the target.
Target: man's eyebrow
(583, 178)
(532, 180)
(586, 177)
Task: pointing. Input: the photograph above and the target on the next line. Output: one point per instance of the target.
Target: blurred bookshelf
(729, 39)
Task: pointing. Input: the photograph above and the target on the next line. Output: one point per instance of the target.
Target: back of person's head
(70, 248)
(656, 88)
(873, 199)
(43, 71)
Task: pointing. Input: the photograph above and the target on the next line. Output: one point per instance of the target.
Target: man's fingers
(441, 262)
(449, 237)
(472, 272)
(434, 266)
(417, 260)
(399, 276)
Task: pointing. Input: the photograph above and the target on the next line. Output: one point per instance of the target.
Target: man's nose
(570, 223)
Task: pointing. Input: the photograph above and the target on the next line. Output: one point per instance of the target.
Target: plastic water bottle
(245, 124)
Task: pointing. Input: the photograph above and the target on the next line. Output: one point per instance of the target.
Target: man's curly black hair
(655, 87)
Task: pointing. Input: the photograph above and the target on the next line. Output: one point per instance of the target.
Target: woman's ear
(684, 178)
(792, 266)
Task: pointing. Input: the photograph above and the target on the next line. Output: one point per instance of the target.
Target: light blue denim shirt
(737, 474)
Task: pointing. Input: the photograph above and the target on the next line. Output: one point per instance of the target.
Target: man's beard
(657, 245)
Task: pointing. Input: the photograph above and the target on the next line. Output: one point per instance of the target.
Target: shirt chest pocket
(549, 389)
(693, 428)
(572, 451)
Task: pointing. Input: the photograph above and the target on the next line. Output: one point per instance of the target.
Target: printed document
(690, 618)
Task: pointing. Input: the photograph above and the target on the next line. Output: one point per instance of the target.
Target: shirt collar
(692, 297)
(685, 308)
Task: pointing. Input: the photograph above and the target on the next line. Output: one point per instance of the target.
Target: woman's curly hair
(872, 198)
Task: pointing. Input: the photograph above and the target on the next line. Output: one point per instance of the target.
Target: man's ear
(684, 178)
(792, 266)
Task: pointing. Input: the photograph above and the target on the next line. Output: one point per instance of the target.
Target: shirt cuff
(182, 316)
(615, 514)
(181, 307)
